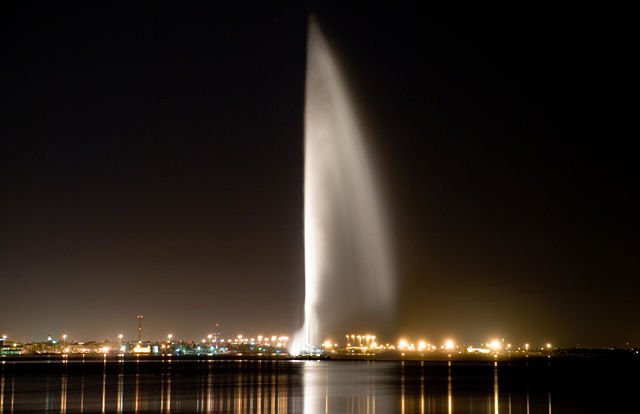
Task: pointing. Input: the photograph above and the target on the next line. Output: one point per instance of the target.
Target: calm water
(556, 386)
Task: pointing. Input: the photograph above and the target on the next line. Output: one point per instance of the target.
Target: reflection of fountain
(347, 262)
(344, 388)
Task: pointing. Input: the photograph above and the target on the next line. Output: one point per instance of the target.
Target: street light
(209, 336)
(64, 339)
(169, 336)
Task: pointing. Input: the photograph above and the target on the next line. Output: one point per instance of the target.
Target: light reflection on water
(269, 387)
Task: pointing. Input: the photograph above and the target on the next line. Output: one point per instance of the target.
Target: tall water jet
(348, 272)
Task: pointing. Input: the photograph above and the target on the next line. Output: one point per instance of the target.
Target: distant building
(139, 349)
(14, 349)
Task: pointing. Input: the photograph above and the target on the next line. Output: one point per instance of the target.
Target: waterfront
(262, 386)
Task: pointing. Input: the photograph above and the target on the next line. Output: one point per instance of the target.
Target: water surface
(214, 386)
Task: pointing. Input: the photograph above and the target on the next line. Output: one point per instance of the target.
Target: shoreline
(572, 354)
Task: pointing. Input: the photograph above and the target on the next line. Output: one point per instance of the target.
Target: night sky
(152, 162)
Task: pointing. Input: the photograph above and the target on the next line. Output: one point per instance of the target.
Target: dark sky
(152, 162)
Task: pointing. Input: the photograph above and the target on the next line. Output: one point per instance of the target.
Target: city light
(473, 350)
(139, 349)
(278, 345)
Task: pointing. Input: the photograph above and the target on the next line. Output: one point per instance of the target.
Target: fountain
(348, 276)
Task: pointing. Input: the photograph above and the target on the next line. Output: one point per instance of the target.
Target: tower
(217, 334)
(140, 327)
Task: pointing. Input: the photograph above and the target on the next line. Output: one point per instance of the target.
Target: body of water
(313, 387)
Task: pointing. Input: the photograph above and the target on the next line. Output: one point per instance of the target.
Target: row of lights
(404, 345)
(368, 342)
(497, 345)
(239, 338)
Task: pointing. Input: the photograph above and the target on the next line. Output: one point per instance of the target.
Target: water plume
(348, 275)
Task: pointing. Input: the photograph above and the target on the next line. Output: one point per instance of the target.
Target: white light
(337, 181)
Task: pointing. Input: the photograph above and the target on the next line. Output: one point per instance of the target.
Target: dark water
(205, 386)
